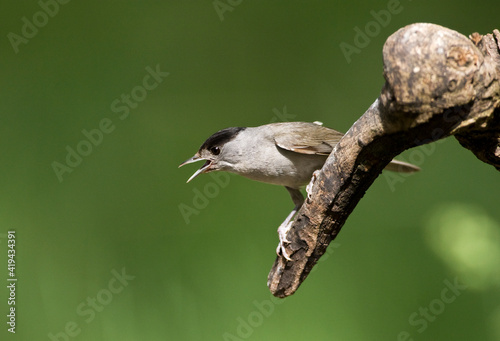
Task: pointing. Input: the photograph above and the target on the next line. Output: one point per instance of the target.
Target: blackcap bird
(285, 154)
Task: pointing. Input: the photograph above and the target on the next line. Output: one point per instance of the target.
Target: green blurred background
(203, 276)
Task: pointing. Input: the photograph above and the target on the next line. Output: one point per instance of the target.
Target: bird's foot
(311, 183)
(284, 242)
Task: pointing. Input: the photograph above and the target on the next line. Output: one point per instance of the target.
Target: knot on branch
(429, 68)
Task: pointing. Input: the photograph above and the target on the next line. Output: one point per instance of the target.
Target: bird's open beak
(203, 168)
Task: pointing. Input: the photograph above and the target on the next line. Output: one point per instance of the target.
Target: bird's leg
(298, 200)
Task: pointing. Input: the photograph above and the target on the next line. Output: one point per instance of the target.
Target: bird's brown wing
(307, 138)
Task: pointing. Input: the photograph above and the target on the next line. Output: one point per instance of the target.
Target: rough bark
(438, 83)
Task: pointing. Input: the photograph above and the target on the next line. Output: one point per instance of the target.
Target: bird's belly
(294, 172)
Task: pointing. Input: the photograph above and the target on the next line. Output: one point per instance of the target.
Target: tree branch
(438, 83)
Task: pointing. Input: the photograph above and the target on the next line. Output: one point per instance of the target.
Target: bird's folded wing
(308, 138)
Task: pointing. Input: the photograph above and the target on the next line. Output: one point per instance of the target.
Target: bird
(283, 153)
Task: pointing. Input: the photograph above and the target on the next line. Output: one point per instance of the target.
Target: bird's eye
(215, 150)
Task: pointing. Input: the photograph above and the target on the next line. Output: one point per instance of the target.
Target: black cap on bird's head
(210, 149)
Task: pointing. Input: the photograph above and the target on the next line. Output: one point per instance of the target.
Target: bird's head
(214, 152)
